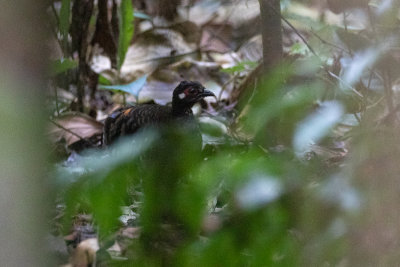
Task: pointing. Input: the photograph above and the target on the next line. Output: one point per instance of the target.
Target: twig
(61, 43)
(56, 98)
(308, 46)
(387, 85)
(329, 43)
(225, 85)
(371, 21)
(55, 14)
(170, 57)
(370, 78)
(345, 14)
(54, 32)
(357, 118)
(376, 103)
(388, 117)
(220, 29)
(347, 85)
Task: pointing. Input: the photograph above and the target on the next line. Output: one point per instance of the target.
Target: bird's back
(129, 120)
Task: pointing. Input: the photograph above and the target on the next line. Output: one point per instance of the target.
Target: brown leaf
(74, 126)
(131, 232)
(85, 253)
(216, 38)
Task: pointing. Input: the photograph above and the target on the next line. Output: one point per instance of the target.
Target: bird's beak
(207, 93)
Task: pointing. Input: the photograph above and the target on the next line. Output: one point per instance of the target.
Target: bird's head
(187, 93)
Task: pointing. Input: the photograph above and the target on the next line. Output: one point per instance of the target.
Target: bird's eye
(192, 90)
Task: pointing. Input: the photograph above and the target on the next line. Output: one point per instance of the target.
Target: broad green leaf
(64, 16)
(103, 80)
(126, 18)
(241, 66)
(62, 65)
(132, 88)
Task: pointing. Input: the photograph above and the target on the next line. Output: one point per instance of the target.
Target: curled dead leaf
(85, 253)
(73, 127)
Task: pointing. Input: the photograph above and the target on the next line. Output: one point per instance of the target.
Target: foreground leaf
(317, 125)
(62, 65)
(125, 29)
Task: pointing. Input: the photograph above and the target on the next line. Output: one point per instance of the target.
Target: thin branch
(370, 79)
(329, 43)
(225, 85)
(55, 14)
(56, 98)
(71, 132)
(344, 83)
(387, 85)
(220, 29)
(388, 117)
(170, 57)
(54, 32)
(376, 103)
(357, 118)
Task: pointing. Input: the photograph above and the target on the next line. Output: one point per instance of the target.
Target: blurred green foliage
(282, 205)
(254, 189)
(241, 66)
(62, 65)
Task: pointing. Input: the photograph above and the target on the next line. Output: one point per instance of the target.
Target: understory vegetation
(299, 164)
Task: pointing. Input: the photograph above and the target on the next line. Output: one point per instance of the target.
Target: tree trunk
(271, 30)
(104, 33)
(81, 14)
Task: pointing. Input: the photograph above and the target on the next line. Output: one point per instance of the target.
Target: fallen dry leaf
(72, 127)
(85, 253)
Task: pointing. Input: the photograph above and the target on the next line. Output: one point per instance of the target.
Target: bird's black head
(187, 93)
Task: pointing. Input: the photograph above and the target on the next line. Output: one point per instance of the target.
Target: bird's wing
(128, 120)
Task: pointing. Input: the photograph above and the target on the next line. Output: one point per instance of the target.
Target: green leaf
(132, 88)
(103, 80)
(62, 65)
(126, 29)
(241, 66)
(299, 49)
(64, 17)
